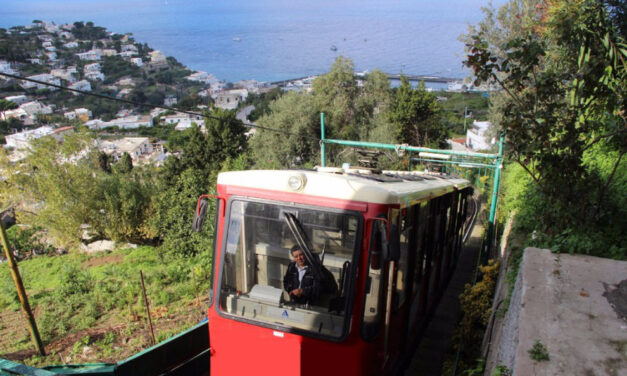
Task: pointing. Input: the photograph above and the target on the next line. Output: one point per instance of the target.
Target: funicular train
(379, 248)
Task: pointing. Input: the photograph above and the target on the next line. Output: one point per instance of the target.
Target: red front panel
(240, 348)
(245, 349)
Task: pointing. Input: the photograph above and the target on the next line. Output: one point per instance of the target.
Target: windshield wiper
(302, 240)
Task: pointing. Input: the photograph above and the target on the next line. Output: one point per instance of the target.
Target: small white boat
(237, 39)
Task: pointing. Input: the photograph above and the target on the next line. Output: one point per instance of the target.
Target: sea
(273, 40)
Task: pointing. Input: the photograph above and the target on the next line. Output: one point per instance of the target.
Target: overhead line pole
(404, 147)
(497, 164)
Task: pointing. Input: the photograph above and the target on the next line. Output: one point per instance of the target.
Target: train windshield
(289, 267)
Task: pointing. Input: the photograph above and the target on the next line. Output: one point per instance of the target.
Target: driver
(299, 280)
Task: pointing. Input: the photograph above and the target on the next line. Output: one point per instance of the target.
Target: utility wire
(102, 96)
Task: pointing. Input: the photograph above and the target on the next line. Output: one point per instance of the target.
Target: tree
(54, 186)
(62, 186)
(174, 210)
(415, 114)
(225, 137)
(184, 179)
(104, 161)
(6, 106)
(335, 94)
(563, 77)
(297, 121)
(125, 203)
(124, 165)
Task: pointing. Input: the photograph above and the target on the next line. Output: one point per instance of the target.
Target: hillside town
(389, 223)
(88, 59)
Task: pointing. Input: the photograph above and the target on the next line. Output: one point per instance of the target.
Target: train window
(260, 278)
(407, 224)
(373, 302)
(420, 261)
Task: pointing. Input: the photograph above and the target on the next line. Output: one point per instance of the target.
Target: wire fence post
(152, 333)
(322, 146)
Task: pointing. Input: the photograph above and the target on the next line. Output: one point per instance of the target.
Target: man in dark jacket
(299, 280)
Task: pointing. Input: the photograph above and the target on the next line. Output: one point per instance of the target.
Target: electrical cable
(127, 101)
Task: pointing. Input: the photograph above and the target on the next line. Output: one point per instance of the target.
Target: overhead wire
(140, 104)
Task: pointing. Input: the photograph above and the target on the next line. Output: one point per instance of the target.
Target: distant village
(76, 56)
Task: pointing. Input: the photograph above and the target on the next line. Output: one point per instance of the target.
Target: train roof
(354, 184)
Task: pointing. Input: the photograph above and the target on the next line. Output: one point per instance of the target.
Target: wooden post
(152, 333)
(195, 287)
(21, 293)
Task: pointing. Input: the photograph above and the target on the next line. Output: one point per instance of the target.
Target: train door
(399, 289)
(393, 313)
(419, 263)
(374, 300)
(408, 243)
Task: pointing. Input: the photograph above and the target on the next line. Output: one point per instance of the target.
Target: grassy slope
(89, 307)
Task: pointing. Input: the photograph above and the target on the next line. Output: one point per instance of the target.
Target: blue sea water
(271, 40)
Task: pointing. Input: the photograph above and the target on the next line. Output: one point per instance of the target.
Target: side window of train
(420, 229)
(406, 225)
(373, 302)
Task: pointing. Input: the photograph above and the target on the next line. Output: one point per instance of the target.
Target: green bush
(599, 233)
(74, 281)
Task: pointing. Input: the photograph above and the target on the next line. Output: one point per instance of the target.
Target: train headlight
(297, 182)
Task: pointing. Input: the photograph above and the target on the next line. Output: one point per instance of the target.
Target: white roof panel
(343, 186)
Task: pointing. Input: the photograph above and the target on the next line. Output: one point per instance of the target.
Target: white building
(477, 136)
(45, 77)
(70, 45)
(17, 113)
(170, 100)
(128, 81)
(129, 47)
(65, 74)
(186, 124)
(93, 67)
(91, 55)
(95, 76)
(5, 67)
(157, 56)
(81, 114)
(230, 99)
(128, 54)
(109, 52)
(35, 108)
(182, 118)
(50, 27)
(17, 99)
(82, 85)
(202, 77)
(128, 122)
(136, 147)
(23, 139)
(156, 112)
(137, 61)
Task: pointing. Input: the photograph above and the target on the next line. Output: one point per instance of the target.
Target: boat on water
(237, 39)
(333, 48)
